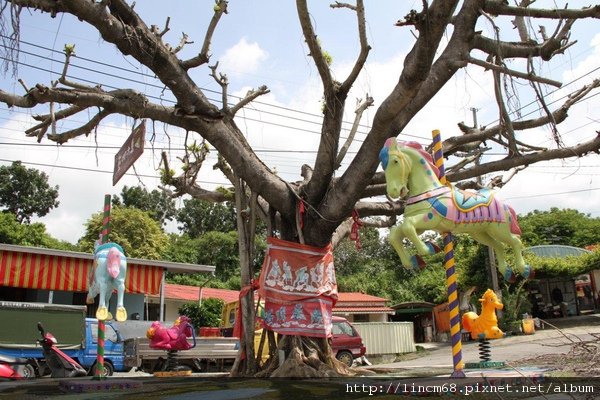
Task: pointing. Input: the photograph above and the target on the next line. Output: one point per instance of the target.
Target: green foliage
(166, 176)
(200, 216)
(156, 203)
(35, 235)
(182, 249)
(25, 192)
(133, 229)
(221, 250)
(516, 303)
(570, 266)
(376, 270)
(559, 226)
(206, 314)
(326, 55)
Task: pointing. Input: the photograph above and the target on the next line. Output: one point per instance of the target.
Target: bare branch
(499, 181)
(182, 42)
(219, 9)
(454, 143)
(503, 69)
(360, 109)
(85, 129)
(39, 130)
(250, 96)
(313, 45)
(154, 28)
(519, 22)
(70, 52)
(184, 185)
(223, 82)
(527, 159)
(364, 45)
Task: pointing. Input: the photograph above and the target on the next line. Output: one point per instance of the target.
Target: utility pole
(491, 255)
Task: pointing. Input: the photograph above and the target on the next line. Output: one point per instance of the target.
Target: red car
(346, 343)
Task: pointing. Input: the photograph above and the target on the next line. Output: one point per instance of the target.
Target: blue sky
(261, 43)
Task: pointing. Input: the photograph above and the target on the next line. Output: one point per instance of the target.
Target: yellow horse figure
(430, 205)
(484, 326)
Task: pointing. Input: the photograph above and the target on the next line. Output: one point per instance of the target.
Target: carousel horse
(108, 273)
(484, 326)
(173, 338)
(410, 171)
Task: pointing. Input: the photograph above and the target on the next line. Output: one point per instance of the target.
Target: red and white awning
(54, 272)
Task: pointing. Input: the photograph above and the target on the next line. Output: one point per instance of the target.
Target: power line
(97, 170)
(213, 91)
(550, 194)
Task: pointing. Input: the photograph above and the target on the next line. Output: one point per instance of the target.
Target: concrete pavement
(438, 357)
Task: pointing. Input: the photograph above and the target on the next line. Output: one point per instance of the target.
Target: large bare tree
(446, 40)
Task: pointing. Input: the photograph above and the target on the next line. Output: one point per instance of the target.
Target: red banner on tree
(299, 287)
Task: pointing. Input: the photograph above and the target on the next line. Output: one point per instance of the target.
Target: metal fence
(387, 337)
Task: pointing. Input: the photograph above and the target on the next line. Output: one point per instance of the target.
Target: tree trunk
(245, 364)
(304, 356)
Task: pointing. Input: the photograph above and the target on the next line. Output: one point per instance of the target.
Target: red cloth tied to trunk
(298, 285)
(239, 322)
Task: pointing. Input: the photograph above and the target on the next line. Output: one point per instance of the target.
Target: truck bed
(139, 354)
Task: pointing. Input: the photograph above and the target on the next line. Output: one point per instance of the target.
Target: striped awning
(53, 272)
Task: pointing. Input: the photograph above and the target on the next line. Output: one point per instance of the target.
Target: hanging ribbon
(356, 224)
(238, 327)
(301, 211)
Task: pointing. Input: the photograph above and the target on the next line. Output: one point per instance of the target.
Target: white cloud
(243, 58)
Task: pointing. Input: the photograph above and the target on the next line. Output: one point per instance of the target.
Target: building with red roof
(354, 306)
(362, 307)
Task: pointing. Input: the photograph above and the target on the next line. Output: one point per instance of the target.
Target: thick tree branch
(499, 7)
(527, 159)
(119, 24)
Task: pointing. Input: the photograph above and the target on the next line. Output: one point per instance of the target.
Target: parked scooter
(60, 364)
(16, 367)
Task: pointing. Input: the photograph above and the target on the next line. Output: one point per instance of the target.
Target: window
(109, 333)
(361, 318)
(342, 328)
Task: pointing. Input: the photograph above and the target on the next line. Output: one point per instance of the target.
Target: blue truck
(77, 336)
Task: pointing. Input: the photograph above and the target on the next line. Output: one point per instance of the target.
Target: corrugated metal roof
(362, 310)
(555, 250)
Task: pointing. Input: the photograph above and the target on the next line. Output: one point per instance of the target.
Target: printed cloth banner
(298, 285)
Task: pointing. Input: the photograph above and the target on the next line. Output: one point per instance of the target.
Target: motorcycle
(16, 367)
(60, 364)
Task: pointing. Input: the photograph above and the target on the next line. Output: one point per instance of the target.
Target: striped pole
(99, 374)
(438, 156)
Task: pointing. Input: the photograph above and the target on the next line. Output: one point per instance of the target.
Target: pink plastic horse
(174, 338)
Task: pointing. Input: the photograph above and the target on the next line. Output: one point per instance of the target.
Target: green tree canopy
(200, 216)
(35, 235)
(207, 314)
(133, 229)
(559, 226)
(25, 192)
(156, 203)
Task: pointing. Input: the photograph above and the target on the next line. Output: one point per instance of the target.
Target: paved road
(438, 358)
